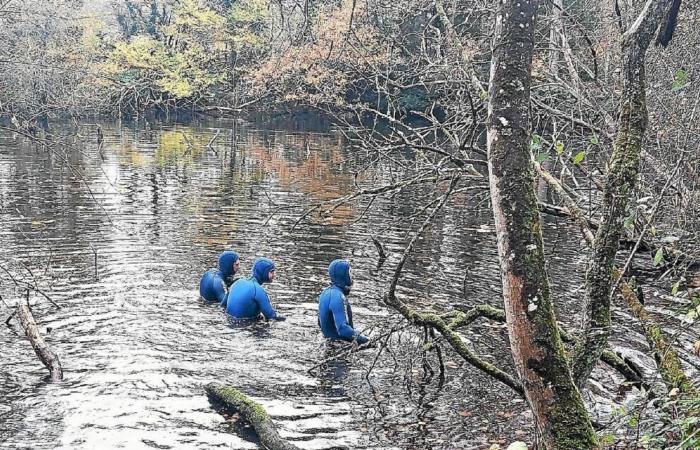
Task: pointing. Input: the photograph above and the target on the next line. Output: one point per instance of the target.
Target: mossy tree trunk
(537, 349)
(620, 184)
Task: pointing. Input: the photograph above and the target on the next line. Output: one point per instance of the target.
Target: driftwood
(42, 350)
(252, 412)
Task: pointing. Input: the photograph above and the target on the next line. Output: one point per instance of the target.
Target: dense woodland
(581, 109)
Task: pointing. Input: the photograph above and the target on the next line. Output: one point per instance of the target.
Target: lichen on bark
(536, 346)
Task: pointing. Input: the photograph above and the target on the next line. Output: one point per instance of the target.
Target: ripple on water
(138, 345)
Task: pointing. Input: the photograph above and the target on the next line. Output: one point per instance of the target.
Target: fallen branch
(665, 355)
(609, 357)
(252, 412)
(434, 321)
(42, 350)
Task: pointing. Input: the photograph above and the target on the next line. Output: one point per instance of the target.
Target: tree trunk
(619, 186)
(42, 350)
(536, 346)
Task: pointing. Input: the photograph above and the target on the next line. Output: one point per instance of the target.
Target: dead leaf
(696, 348)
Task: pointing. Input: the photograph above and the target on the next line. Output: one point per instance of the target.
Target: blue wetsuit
(215, 283)
(247, 298)
(334, 311)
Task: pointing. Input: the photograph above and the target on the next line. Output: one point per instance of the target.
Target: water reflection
(137, 344)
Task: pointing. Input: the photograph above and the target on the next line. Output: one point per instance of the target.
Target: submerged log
(42, 350)
(252, 412)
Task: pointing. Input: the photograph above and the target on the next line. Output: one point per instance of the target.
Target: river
(119, 234)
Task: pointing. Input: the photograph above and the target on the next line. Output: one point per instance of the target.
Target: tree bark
(42, 350)
(253, 413)
(537, 349)
(619, 186)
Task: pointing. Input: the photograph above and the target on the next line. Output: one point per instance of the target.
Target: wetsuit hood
(339, 271)
(262, 269)
(226, 261)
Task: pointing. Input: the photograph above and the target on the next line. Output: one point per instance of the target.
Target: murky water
(119, 236)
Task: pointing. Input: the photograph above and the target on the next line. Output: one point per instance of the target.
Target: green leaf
(629, 221)
(621, 411)
(536, 143)
(652, 230)
(659, 256)
(579, 157)
(540, 157)
(674, 288)
(559, 147)
(594, 140)
(680, 79)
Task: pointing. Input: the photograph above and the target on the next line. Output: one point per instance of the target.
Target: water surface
(119, 235)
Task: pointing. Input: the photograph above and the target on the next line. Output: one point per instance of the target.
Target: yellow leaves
(248, 20)
(143, 52)
(247, 12)
(183, 63)
(175, 85)
(90, 40)
(192, 16)
(146, 61)
(194, 25)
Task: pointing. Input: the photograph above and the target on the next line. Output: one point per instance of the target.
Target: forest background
(397, 76)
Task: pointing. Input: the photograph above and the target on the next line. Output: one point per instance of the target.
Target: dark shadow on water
(258, 328)
(334, 370)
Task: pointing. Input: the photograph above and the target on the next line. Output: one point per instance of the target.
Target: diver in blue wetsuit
(334, 311)
(214, 284)
(247, 298)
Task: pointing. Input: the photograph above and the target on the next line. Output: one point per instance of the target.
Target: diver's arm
(263, 301)
(340, 317)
